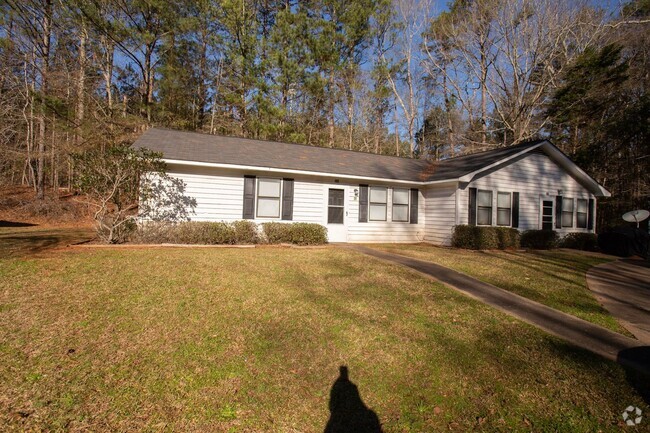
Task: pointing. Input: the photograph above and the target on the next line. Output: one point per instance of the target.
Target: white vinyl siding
(440, 214)
(536, 177)
(219, 196)
(384, 231)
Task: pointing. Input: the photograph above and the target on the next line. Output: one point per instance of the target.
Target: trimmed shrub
(580, 241)
(208, 233)
(308, 234)
(246, 232)
(295, 233)
(508, 237)
(484, 238)
(539, 239)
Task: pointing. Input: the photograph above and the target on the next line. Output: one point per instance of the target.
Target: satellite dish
(636, 216)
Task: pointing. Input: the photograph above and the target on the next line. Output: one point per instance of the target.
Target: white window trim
(478, 191)
(586, 200)
(370, 203)
(408, 205)
(258, 196)
(573, 213)
(497, 210)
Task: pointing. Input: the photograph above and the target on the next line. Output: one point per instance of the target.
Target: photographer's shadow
(348, 413)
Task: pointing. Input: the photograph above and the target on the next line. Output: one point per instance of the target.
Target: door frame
(340, 231)
(542, 199)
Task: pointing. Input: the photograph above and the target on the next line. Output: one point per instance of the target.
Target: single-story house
(364, 197)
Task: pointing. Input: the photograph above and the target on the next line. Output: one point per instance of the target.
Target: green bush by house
(580, 241)
(539, 239)
(229, 233)
(296, 233)
(484, 238)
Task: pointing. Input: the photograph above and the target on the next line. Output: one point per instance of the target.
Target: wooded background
(411, 78)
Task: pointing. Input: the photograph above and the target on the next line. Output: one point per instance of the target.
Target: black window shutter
(363, 203)
(590, 215)
(414, 205)
(249, 197)
(472, 206)
(515, 209)
(558, 212)
(287, 199)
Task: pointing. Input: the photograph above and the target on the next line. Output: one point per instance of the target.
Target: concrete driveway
(623, 287)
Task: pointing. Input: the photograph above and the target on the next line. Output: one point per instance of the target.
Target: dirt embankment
(20, 208)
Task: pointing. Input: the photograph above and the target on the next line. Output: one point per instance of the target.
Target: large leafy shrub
(122, 184)
(484, 238)
(539, 239)
(580, 241)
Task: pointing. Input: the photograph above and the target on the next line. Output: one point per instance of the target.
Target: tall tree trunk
(483, 98)
(81, 84)
(108, 50)
(330, 110)
(45, 63)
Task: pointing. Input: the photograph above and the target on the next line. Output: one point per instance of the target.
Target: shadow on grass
(636, 362)
(4, 223)
(348, 413)
(25, 243)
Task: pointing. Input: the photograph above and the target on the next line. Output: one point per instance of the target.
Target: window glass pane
(503, 199)
(400, 213)
(268, 207)
(567, 204)
(400, 196)
(582, 220)
(567, 219)
(484, 216)
(378, 194)
(582, 205)
(335, 215)
(377, 212)
(336, 197)
(503, 217)
(269, 187)
(485, 198)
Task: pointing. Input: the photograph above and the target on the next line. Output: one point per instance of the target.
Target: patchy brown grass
(556, 278)
(251, 340)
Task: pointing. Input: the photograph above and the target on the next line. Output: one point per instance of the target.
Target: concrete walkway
(623, 287)
(627, 351)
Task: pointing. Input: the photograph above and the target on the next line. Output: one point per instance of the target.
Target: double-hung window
(268, 198)
(400, 204)
(581, 213)
(377, 206)
(504, 208)
(484, 208)
(567, 212)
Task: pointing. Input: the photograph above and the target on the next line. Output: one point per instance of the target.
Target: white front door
(547, 213)
(336, 214)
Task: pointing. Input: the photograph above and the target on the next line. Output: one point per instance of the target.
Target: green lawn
(252, 340)
(553, 278)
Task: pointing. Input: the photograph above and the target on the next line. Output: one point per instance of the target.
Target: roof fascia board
(291, 171)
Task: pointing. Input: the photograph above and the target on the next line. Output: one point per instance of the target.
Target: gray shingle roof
(192, 146)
